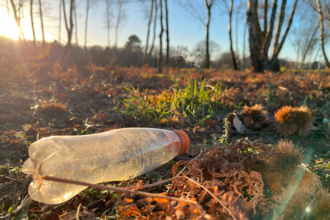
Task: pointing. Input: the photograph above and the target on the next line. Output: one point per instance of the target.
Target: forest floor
(41, 100)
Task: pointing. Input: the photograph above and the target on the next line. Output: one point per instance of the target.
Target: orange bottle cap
(184, 139)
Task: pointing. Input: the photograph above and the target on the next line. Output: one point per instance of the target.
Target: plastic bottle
(114, 155)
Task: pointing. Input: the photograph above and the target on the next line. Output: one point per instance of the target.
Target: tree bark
(160, 54)
(167, 58)
(145, 55)
(319, 7)
(207, 30)
(232, 54)
(154, 31)
(86, 24)
(32, 22)
(41, 23)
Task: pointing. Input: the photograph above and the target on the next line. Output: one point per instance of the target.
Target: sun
(8, 25)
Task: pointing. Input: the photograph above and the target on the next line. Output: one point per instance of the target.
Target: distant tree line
(266, 26)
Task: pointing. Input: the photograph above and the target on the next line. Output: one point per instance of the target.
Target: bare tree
(321, 19)
(68, 26)
(243, 53)
(194, 9)
(160, 53)
(41, 22)
(154, 31)
(108, 19)
(17, 17)
(232, 54)
(145, 57)
(303, 33)
(208, 4)
(86, 24)
(59, 22)
(32, 22)
(260, 40)
(167, 57)
(75, 22)
(121, 16)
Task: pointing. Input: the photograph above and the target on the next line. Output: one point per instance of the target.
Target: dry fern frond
(303, 204)
(294, 120)
(283, 169)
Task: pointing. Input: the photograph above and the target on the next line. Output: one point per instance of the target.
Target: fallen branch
(122, 190)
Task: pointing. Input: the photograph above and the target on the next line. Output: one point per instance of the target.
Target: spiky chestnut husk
(307, 204)
(284, 169)
(294, 120)
(254, 117)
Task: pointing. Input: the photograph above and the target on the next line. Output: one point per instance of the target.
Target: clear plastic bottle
(114, 155)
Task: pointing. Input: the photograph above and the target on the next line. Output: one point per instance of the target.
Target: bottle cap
(184, 139)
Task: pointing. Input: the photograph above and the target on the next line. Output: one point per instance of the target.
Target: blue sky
(185, 30)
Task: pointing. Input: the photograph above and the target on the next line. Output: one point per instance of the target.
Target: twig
(122, 190)
(155, 184)
(6, 184)
(15, 197)
(78, 209)
(216, 198)
(189, 162)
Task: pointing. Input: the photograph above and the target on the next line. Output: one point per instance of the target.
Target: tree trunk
(7, 5)
(269, 34)
(75, 23)
(238, 62)
(59, 23)
(69, 27)
(279, 25)
(154, 31)
(118, 22)
(160, 54)
(32, 22)
(108, 21)
(207, 30)
(243, 54)
(254, 37)
(17, 19)
(319, 7)
(232, 54)
(167, 58)
(41, 23)
(265, 15)
(86, 23)
(274, 61)
(145, 56)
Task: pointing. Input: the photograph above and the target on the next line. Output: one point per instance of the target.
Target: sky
(185, 30)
